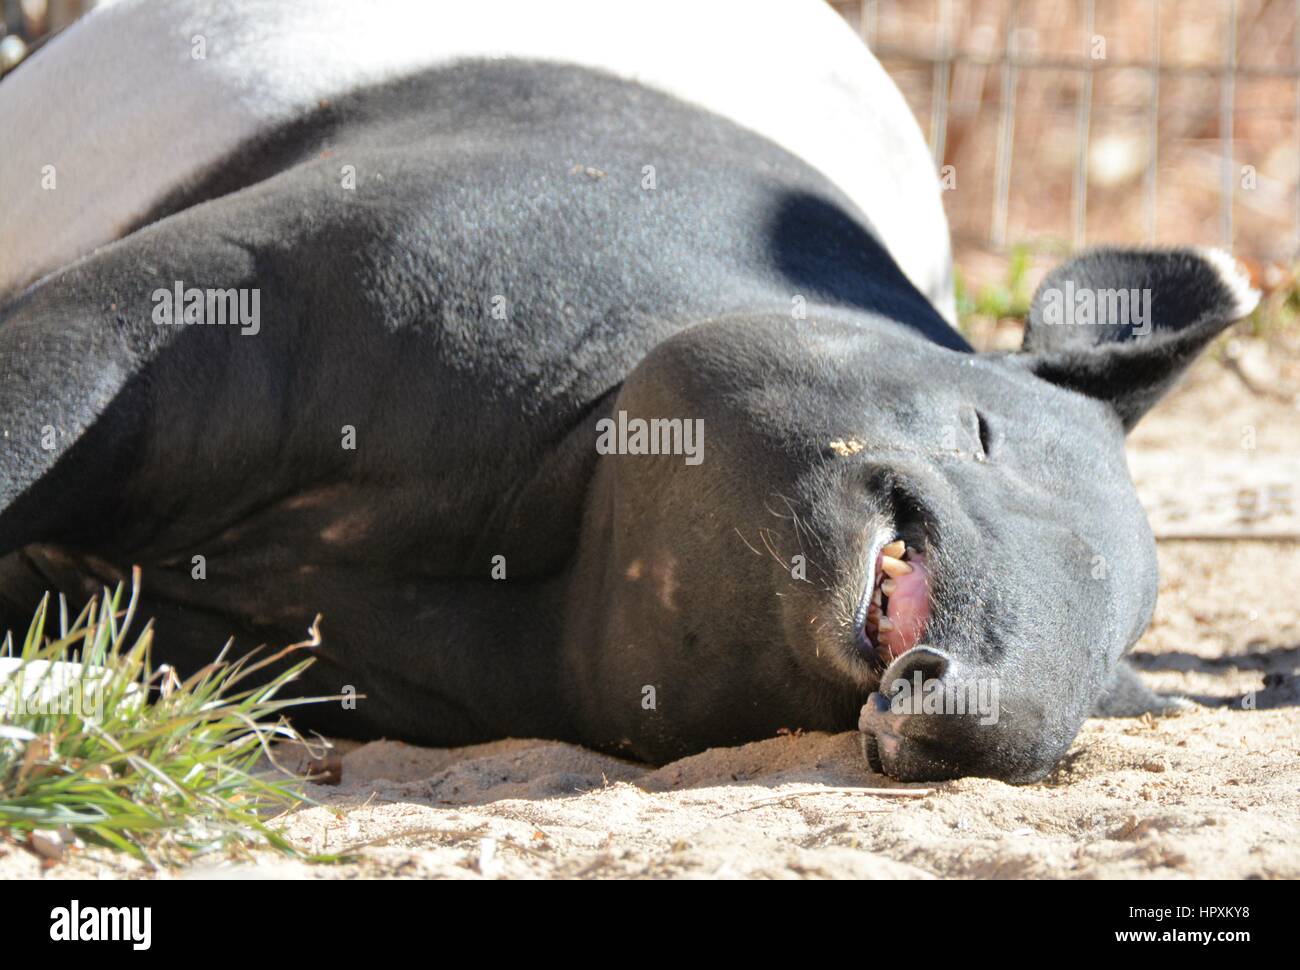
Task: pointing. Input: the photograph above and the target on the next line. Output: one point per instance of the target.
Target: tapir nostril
(931, 664)
(904, 725)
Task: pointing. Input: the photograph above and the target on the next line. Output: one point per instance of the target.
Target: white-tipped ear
(1244, 297)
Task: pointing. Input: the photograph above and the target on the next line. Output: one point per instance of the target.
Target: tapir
(590, 369)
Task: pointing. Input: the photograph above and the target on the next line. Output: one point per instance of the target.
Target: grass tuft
(98, 745)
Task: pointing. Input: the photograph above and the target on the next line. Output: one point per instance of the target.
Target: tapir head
(950, 537)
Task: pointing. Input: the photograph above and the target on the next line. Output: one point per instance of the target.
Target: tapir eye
(979, 431)
(985, 434)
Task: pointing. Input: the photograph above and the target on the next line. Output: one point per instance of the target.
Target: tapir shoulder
(150, 96)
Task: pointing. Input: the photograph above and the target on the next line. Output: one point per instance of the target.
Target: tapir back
(141, 100)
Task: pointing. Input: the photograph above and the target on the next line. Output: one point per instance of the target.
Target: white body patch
(119, 109)
(50, 686)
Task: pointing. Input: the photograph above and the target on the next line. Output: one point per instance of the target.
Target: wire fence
(1198, 104)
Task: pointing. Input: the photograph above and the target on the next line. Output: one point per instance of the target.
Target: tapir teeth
(892, 565)
(894, 568)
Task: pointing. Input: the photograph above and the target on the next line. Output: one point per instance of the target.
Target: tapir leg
(1128, 696)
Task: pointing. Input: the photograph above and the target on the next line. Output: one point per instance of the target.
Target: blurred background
(1069, 122)
(1058, 123)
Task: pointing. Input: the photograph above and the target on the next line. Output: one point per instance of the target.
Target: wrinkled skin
(649, 606)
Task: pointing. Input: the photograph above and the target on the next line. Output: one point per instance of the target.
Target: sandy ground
(1211, 793)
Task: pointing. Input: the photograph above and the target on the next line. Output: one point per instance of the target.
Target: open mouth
(898, 606)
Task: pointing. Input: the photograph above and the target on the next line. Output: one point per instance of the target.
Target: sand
(1214, 792)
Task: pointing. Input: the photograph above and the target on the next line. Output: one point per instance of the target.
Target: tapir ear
(1121, 325)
